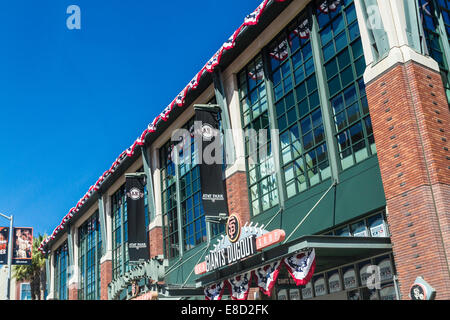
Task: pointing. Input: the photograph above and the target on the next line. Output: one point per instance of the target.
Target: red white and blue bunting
(267, 276)
(215, 291)
(240, 286)
(329, 5)
(301, 266)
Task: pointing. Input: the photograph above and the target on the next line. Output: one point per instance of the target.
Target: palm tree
(32, 272)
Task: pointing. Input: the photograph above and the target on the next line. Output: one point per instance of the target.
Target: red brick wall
(237, 196)
(105, 278)
(73, 292)
(156, 242)
(411, 122)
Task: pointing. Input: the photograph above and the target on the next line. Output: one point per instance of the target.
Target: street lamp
(8, 286)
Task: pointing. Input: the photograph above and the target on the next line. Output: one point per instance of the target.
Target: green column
(414, 33)
(150, 191)
(274, 135)
(48, 273)
(178, 198)
(70, 245)
(102, 219)
(122, 234)
(377, 35)
(226, 123)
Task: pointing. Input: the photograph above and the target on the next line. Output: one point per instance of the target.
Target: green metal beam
(221, 99)
(70, 245)
(275, 139)
(178, 199)
(325, 105)
(102, 219)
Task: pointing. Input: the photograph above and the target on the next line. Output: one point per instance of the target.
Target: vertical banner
(137, 231)
(4, 237)
(212, 159)
(22, 246)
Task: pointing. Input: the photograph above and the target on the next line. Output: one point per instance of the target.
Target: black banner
(212, 185)
(22, 246)
(137, 232)
(4, 237)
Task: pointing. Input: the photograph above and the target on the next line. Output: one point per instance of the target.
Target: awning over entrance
(331, 252)
(178, 291)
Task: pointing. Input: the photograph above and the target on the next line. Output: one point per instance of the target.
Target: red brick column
(411, 122)
(105, 278)
(156, 242)
(237, 196)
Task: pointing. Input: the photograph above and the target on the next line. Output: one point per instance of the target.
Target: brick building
(355, 96)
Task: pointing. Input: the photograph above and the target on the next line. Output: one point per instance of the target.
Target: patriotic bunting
(257, 73)
(215, 291)
(240, 286)
(280, 52)
(301, 266)
(329, 5)
(267, 276)
(303, 30)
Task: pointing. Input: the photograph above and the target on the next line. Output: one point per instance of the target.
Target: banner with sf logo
(212, 185)
(137, 231)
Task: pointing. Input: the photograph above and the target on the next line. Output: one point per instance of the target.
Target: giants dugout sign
(240, 243)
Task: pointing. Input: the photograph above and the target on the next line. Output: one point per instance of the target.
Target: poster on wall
(207, 132)
(4, 237)
(22, 246)
(137, 233)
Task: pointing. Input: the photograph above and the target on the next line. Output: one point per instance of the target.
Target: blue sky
(72, 100)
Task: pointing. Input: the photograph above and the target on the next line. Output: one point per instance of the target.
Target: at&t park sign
(240, 243)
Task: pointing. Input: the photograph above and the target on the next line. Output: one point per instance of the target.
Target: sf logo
(233, 228)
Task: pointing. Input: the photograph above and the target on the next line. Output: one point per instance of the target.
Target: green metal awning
(171, 292)
(331, 252)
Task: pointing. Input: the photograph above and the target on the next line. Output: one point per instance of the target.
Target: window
(89, 237)
(344, 67)
(373, 226)
(25, 291)
(120, 259)
(434, 38)
(297, 106)
(169, 202)
(259, 160)
(61, 278)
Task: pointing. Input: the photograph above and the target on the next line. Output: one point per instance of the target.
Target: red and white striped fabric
(267, 276)
(329, 5)
(301, 266)
(240, 286)
(215, 291)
